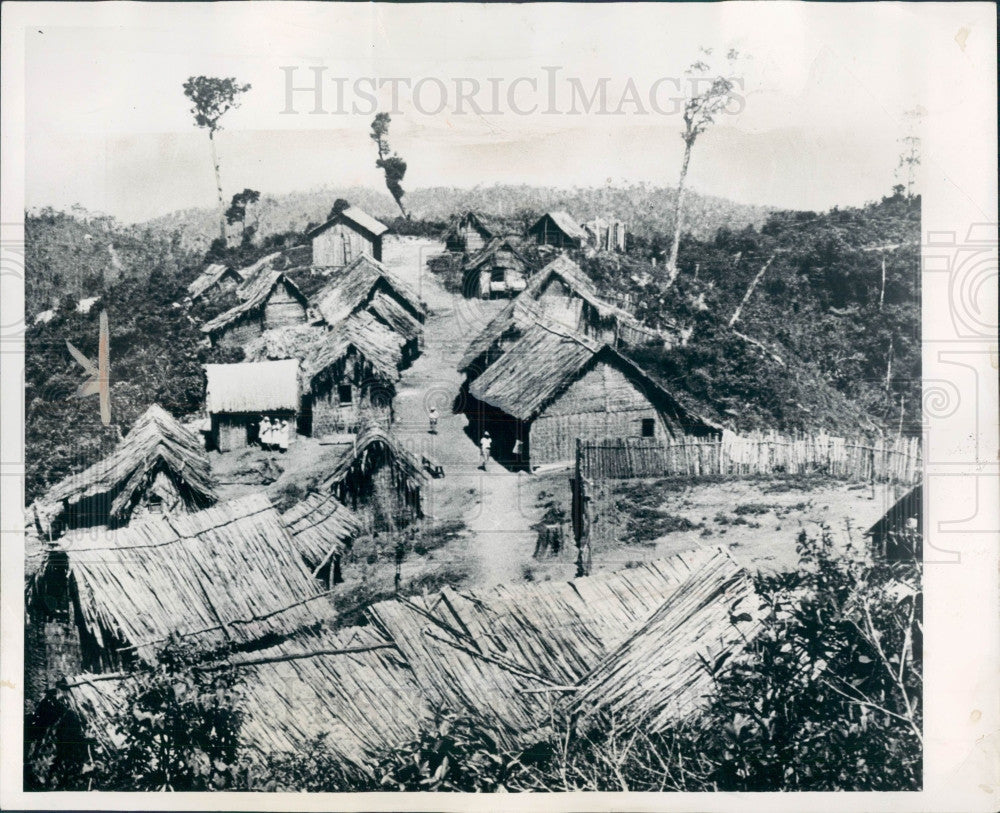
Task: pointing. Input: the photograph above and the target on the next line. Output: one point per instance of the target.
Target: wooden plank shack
(346, 236)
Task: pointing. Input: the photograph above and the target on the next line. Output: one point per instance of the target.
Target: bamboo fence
(895, 460)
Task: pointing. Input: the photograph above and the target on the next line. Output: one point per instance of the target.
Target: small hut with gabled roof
(553, 386)
(239, 395)
(473, 230)
(216, 278)
(499, 271)
(378, 478)
(349, 234)
(355, 287)
(159, 467)
(272, 301)
(558, 229)
(323, 528)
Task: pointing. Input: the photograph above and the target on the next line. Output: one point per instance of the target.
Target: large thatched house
(378, 478)
(216, 278)
(498, 271)
(634, 642)
(558, 229)
(346, 236)
(229, 575)
(238, 396)
(273, 301)
(159, 467)
(560, 293)
(553, 386)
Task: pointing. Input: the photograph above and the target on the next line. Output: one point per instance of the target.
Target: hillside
(648, 210)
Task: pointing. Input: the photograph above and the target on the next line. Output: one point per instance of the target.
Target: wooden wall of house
(283, 309)
(241, 332)
(602, 404)
(472, 239)
(330, 417)
(229, 431)
(340, 244)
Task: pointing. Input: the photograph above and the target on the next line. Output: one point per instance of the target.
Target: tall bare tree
(909, 158)
(711, 90)
(390, 163)
(212, 98)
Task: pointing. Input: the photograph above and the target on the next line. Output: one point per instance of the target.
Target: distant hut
(379, 479)
(498, 271)
(560, 293)
(231, 574)
(274, 301)
(898, 535)
(159, 467)
(558, 229)
(346, 236)
(473, 230)
(215, 279)
(553, 386)
(239, 395)
(323, 528)
(366, 284)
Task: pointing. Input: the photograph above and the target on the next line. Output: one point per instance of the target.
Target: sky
(818, 122)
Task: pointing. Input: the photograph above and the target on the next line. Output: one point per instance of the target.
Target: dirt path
(497, 506)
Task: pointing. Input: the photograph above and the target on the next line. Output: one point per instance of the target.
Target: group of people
(274, 434)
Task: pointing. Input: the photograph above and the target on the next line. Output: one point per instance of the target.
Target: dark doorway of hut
(509, 436)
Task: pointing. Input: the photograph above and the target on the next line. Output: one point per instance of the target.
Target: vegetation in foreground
(827, 697)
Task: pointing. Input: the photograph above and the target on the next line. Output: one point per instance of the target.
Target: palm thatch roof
(287, 342)
(541, 365)
(209, 277)
(251, 273)
(355, 217)
(372, 447)
(658, 675)
(388, 311)
(228, 574)
(254, 299)
(350, 685)
(489, 251)
(263, 386)
(489, 226)
(322, 528)
(565, 222)
(523, 310)
(353, 287)
(107, 492)
(378, 346)
(510, 652)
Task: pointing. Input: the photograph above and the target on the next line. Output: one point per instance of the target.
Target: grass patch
(754, 508)
(437, 536)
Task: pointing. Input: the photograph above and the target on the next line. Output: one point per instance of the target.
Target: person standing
(432, 415)
(485, 443)
(282, 434)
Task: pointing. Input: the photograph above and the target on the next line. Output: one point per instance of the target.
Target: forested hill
(648, 210)
(824, 340)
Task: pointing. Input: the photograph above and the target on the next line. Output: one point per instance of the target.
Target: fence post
(581, 523)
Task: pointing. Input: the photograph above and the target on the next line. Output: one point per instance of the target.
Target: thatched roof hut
(159, 465)
(354, 287)
(499, 270)
(215, 277)
(558, 229)
(473, 230)
(553, 386)
(272, 300)
(231, 574)
(238, 395)
(562, 293)
(378, 477)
